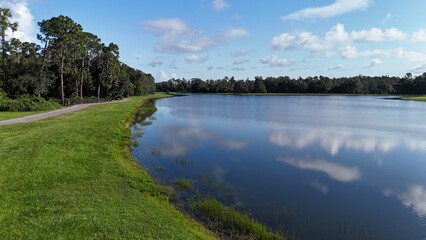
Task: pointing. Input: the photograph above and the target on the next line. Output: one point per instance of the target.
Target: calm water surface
(326, 167)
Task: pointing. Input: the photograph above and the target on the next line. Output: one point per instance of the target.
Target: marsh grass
(183, 183)
(135, 143)
(229, 223)
(182, 162)
(156, 152)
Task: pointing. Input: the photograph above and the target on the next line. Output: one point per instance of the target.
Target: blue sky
(211, 39)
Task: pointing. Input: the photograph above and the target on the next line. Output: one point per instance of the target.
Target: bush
(27, 104)
(3, 95)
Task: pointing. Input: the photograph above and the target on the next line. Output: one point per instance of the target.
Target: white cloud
(235, 33)
(195, 59)
(415, 198)
(240, 62)
(297, 40)
(239, 53)
(274, 61)
(220, 5)
(284, 41)
(349, 51)
(339, 41)
(378, 35)
(338, 8)
(376, 62)
(335, 171)
(337, 34)
(419, 69)
(163, 76)
(337, 67)
(21, 14)
(169, 28)
(413, 56)
(178, 37)
(419, 36)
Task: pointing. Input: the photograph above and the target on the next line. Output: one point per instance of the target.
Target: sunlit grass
(183, 183)
(12, 115)
(73, 177)
(231, 224)
(417, 98)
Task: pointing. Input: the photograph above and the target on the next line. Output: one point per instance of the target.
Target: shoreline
(73, 175)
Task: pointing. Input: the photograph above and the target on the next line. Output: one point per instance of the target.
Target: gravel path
(50, 114)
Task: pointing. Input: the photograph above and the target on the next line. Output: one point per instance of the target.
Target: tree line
(284, 84)
(69, 63)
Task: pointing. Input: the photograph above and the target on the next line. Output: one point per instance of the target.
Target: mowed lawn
(417, 98)
(72, 177)
(11, 115)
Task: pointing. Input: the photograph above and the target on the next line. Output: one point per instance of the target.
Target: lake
(318, 167)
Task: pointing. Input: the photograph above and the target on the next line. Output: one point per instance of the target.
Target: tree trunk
(43, 60)
(82, 78)
(99, 86)
(3, 45)
(76, 74)
(62, 77)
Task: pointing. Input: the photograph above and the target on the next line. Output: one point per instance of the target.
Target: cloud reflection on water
(181, 139)
(320, 187)
(415, 198)
(335, 171)
(330, 141)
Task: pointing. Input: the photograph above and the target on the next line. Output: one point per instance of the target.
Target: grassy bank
(229, 223)
(416, 98)
(72, 177)
(11, 115)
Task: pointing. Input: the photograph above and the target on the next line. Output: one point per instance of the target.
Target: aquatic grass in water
(156, 152)
(183, 183)
(229, 223)
(182, 162)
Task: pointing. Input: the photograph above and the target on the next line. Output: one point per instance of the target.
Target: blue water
(319, 167)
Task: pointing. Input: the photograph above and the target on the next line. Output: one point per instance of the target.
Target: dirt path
(50, 114)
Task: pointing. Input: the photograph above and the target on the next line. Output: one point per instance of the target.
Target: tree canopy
(319, 84)
(70, 63)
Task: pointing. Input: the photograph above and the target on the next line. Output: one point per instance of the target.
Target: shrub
(27, 104)
(3, 95)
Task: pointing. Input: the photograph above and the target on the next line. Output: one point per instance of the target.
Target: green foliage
(231, 223)
(27, 105)
(183, 183)
(417, 98)
(3, 95)
(71, 63)
(318, 84)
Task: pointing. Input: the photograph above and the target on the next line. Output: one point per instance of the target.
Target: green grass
(229, 223)
(183, 183)
(72, 177)
(417, 98)
(11, 115)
